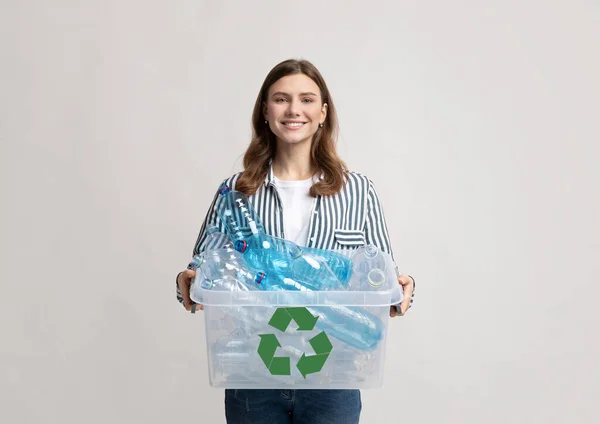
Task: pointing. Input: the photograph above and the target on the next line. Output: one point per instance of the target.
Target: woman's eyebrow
(281, 93)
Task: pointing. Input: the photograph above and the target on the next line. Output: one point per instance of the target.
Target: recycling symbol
(307, 364)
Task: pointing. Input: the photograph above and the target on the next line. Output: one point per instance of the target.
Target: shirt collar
(270, 178)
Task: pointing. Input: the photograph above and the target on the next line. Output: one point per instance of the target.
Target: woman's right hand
(184, 281)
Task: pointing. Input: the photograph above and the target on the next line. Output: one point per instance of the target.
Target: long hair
(324, 158)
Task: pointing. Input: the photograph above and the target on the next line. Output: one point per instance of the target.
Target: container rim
(385, 297)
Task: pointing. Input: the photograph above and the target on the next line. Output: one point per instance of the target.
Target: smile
(293, 124)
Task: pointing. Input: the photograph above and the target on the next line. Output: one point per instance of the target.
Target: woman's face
(294, 109)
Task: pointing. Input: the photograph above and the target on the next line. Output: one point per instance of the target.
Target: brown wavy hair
(324, 157)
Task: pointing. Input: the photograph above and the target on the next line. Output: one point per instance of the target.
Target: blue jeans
(268, 406)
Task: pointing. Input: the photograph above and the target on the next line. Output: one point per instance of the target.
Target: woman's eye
(280, 99)
(307, 100)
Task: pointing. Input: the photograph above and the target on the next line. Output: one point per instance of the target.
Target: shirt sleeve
(211, 219)
(376, 231)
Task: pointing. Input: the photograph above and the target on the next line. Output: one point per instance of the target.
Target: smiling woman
(294, 115)
(303, 192)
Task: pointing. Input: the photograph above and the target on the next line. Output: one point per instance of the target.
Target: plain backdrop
(476, 120)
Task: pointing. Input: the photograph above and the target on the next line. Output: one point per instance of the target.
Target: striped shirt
(346, 220)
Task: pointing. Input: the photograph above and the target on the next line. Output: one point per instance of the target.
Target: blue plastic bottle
(238, 215)
(338, 263)
(320, 269)
(286, 260)
(351, 325)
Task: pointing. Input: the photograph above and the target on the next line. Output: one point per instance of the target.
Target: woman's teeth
(293, 124)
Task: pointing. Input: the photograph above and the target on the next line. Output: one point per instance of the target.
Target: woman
(304, 193)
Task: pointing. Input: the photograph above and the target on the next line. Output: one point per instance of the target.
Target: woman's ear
(324, 112)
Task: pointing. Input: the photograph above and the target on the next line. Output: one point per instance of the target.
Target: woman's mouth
(293, 125)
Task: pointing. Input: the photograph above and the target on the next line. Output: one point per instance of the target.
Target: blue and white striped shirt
(346, 220)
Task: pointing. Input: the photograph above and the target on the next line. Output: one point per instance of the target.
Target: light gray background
(475, 119)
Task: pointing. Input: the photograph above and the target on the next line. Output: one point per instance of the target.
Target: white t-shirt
(297, 205)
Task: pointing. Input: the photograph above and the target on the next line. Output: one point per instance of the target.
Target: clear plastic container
(298, 339)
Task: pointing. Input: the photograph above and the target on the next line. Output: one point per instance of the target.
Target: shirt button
(312, 239)
(315, 212)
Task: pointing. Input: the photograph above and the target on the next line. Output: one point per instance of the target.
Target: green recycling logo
(280, 365)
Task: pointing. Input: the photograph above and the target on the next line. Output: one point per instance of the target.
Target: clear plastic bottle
(215, 240)
(368, 269)
(340, 265)
(223, 269)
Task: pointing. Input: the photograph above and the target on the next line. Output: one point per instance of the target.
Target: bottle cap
(197, 260)
(240, 245)
(371, 250)
(295, 252)
(376, 277)
(224, 189)
(207, 284)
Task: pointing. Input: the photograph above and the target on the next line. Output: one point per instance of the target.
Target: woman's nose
(293, 108)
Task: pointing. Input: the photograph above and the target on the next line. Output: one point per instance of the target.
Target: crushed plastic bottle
(223, 269)
(368, 269)
(287, 261)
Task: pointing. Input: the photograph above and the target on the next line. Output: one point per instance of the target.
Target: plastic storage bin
(297, 339)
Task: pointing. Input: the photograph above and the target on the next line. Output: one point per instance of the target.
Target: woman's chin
(293, 141)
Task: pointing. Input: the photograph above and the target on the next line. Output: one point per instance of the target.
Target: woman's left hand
(408, 285)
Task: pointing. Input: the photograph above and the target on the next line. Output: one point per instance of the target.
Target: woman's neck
(293, 163)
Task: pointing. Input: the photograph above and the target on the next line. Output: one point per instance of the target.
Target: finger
(190, 273)
(195, 307)
(407, 288)
(405, 281)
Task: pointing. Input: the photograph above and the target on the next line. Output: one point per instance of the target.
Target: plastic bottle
(215, 240)
(287, 261)
(352, 325)
(243, 224)
(368, 269)
(222, 269)
(238, 215)
(340, 265)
